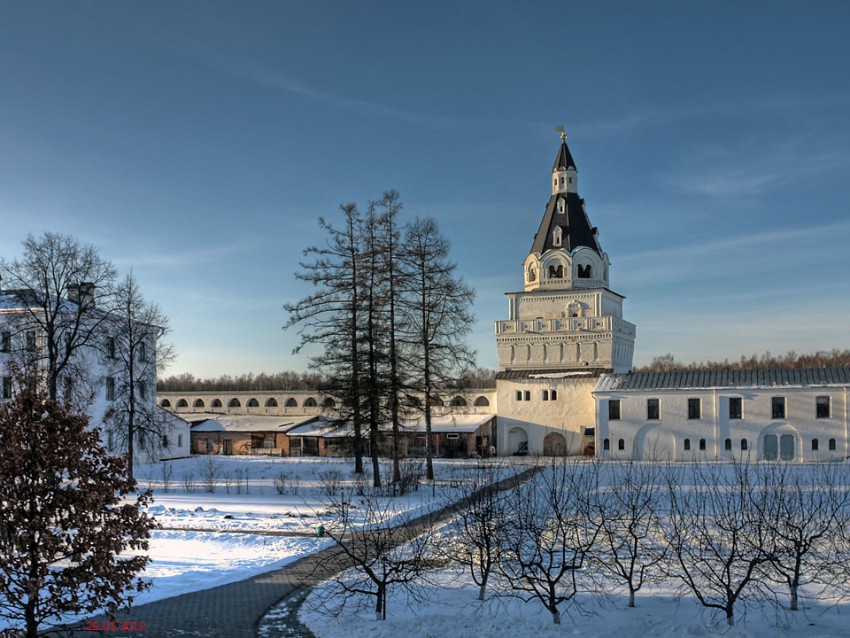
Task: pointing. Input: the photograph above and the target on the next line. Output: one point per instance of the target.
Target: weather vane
(560, 128)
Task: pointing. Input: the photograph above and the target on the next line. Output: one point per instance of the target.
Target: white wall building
(93, 381)
(563, 330)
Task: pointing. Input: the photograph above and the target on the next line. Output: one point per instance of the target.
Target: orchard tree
(58, 282)
(134, 352)
(69, 518)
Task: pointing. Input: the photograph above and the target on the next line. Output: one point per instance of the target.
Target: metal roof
(759, 378)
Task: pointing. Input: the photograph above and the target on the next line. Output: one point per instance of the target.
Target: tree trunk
(793, 586)
(631, 597)
(556, 616)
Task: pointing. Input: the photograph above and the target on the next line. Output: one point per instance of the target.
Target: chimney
(82, 294)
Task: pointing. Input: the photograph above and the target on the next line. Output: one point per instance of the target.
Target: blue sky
(197, 143)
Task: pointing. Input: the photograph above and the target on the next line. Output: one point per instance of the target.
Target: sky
(196, 144)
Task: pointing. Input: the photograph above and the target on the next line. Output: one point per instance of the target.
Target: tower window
(557, 236)
(584, 271)
(556, 272)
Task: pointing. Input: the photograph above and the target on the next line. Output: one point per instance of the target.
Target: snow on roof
(248, 423)
(315, 427)
(465, 423)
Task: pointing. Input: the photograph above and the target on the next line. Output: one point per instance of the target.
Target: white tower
(566, 318)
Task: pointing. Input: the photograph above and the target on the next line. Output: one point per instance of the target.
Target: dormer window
(561, 207)
(557, 236)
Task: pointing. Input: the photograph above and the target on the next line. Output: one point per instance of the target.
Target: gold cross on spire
(560, 128)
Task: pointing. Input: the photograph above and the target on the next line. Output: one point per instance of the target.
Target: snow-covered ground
(452, 610)
(196, 549)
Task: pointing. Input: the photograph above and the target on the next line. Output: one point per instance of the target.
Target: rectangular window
(519, 395)
(110, 389)
(736, 408)
(165, 440)
(777, 407)
(143, 352)
(5, 341)
(822, 407)
(179, 440)
(110, 348)
(143, 390)
(694, 409)
(613, 409)
(6, 389)
(653, 411)
(30, 341)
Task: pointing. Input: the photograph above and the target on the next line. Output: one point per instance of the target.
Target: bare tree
(437, 307)
(716, 538)
(134, 352)
(633, 548)
(58, 283)
(802, 508)
(68, 514)
(480, 524)
(385, 547)
(551, 533)
(331, 318)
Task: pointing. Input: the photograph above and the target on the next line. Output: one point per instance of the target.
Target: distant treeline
(287, 380)
(833, 359)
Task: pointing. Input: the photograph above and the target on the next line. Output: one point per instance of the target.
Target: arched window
(815, 445)
(556, 272)
(182, 403)
(687, 444)
(727, 445)
(328, 403)
(532, 273)
(702, 444)
(621, 444)
(165, 403)
(606, 444)
(234, 403)
(744, 444)
(216, 403)
(271, 403)
(584, 271)
(482, 402)
(291, 403)
(557, 236)
(199, 403)
(459, 402)
(832, 445)
(310, 402)
(253, 403)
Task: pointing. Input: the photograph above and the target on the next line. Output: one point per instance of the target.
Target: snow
(453, 611)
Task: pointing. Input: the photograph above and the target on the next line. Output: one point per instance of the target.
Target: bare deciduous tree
(633, 550)
(385, 547)
(59, 282)
(134, 352)
(551, 534)
(716, 538)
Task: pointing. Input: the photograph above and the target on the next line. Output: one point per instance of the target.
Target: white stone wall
(569, 414)
(665, 438)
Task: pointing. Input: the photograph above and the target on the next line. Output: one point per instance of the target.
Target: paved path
(236, 609)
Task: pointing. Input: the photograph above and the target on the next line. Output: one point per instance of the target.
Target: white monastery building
(564, 385)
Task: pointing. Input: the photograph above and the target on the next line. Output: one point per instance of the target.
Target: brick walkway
(236, 609)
